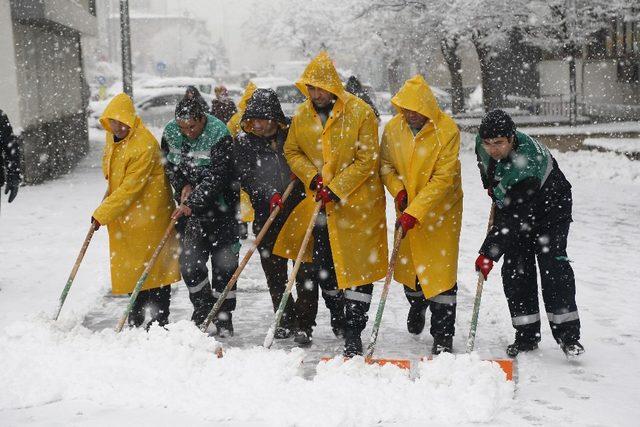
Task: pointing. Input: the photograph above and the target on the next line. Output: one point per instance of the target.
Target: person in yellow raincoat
(234, 122)
(333, 148)
(247, 214)
(420, 168)
(137, 211)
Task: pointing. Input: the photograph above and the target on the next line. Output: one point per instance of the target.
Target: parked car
(235, 92)
(289, 95)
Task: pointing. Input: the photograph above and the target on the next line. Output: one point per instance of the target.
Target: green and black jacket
(529, 191)
(207, 164)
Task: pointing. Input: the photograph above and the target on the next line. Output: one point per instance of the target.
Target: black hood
(264, 104)
(354, 87)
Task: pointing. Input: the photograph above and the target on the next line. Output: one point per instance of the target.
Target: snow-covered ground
(619, 145)
(585, 129)
(78, 371)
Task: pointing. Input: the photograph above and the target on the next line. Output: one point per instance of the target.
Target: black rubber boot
(202, 305)
(442, 345)
(224, 325)
(572, 348)
(136, 318)
(520, 346)
(282, 333)
(303, 338)
(337, 324)
(416, 319)
(352, 343)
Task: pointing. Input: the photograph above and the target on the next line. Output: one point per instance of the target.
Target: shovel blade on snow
(400, 363)
(505, 364)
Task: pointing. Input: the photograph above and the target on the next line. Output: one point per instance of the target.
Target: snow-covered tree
(447, 23)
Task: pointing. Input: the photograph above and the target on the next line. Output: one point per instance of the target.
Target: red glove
(407, 222)
(316, 183)
(95, 223)
(484, 265)
(401, 200)
(276, 200)
(325, 195)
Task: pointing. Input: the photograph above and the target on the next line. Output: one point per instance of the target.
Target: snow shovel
(505, 364)
(401, 363)
(145, 273)
(216, 307)
(268, 340)
(76, 266)
(74, 270)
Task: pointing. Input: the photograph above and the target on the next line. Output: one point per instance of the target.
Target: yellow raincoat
(247, 213)
(138, 208)
(345, 152)
(428, 168)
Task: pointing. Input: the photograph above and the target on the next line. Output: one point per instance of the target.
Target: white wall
(8, 80)
(600, 86)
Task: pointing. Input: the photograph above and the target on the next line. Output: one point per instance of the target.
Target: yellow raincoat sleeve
(137, 175)
(365, 160)
(388, 172)
(298, 161)
(442, 181)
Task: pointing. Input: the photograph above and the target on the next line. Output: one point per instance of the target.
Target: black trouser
(157, 300)
(443, 309)
(549, 245)
(351, 304)
(298, 314)
(199, 243)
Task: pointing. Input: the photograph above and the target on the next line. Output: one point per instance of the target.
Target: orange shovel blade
(505, 364)
(400, 363)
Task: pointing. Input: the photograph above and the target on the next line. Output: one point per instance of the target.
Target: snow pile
(449, 389)
(177, 370)
(612, 168)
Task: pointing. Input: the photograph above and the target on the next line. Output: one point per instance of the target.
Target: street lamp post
(125, 39)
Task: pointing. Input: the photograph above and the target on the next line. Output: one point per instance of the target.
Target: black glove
(12, 189)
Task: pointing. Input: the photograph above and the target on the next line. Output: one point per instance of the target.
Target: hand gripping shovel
(216, 307)
(145, 273)
(268, 340)
(505, 364)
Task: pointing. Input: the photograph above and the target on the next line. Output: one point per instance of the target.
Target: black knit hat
(264, 104)
(496, 123)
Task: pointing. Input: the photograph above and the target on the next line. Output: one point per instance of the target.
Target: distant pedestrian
(9, 158)
(354, 87)
(222, 107)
